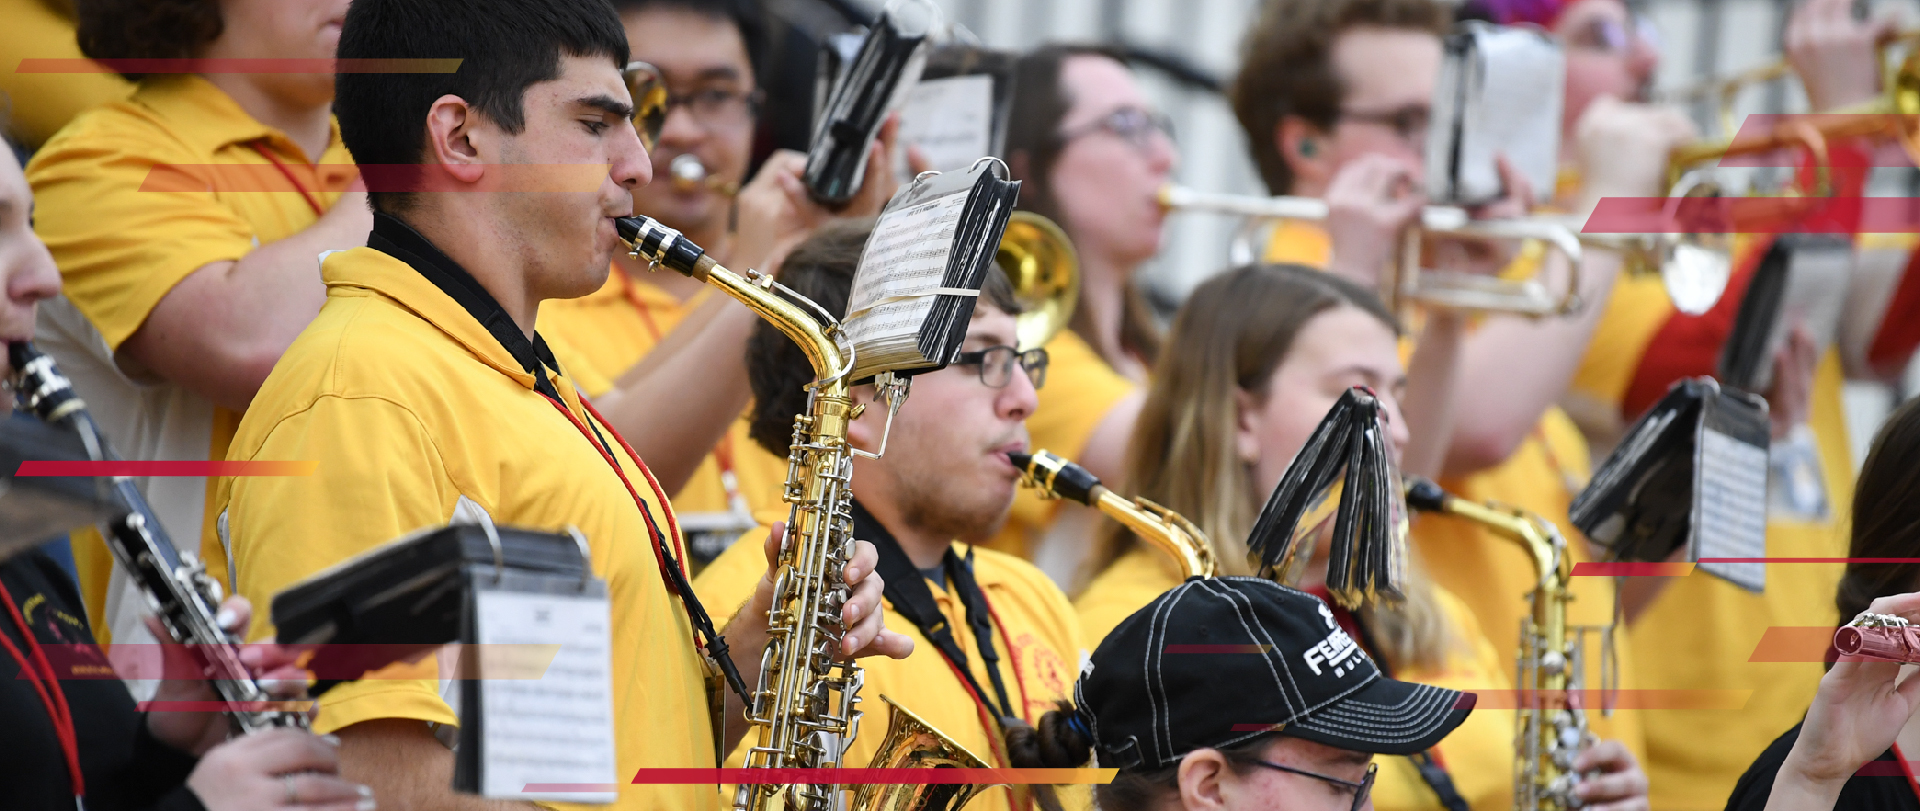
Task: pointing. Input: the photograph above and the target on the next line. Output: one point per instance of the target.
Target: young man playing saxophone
(996, 637)
(425, 395)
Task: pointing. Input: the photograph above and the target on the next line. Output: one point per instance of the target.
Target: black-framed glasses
(1361, 790)
(650, 100)
(995, 365)
(717, 107)
(1410, 123)
(1611, 36)
(1134, 125)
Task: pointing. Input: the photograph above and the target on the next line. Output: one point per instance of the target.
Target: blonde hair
(1230, 337)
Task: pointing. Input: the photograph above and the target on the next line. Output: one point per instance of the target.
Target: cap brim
(1387, 717)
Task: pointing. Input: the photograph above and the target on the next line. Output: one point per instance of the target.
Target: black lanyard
(908, 593)
(398, 240)
(1431, 772)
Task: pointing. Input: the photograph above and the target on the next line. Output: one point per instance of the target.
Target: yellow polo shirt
(412, 411)
(45, 102)
(1081, 388)
(1700, 632)
(1490, 574)
(1478, 755)
(1036, 624)
(603, 334)
(123, 239)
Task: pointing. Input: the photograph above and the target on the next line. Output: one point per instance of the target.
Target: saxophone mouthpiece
(1057, 477)
(661, 246)
(629, 230)
(21, 353)
(1424, 495)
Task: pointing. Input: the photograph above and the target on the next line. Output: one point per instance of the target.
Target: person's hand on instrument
(277, 769)
(1836, 56)
(773, 213)
(1371, 202)
(1790, 399)
(867, 633)
(1487, 256)
(1613, 780)
(1623, 147)
(879, 183)
(197, 729)
(1861, 706)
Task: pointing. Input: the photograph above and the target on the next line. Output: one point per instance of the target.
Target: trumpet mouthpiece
(688, 173)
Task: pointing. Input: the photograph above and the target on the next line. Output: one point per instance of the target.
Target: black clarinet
(175, 583)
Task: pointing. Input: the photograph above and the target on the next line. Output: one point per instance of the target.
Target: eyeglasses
(1410, 123)
(717, 108)
(650, 101)
(996, 365)
(1611, 36)
(1134, 125)
(1360, 790)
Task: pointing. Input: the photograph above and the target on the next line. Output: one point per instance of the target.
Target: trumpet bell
(912, 743)
(1040, 262)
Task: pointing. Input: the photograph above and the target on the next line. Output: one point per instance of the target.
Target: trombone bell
(1040, 262)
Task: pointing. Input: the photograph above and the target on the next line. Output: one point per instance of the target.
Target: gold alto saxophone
(1550, 728)
(1055, 477)
(805, 708)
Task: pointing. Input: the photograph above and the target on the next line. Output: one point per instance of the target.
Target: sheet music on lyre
(548, 730)
(921, 270)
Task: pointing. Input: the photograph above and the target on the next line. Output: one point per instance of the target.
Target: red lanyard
(645, 513)
(723, 452)
(318, 209)
(40, 674)
(986, 713)
(644, 307)
(1906, 770)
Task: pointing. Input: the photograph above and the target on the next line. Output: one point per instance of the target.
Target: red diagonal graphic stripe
(236, 178)
(1859, 128)
(223, 706)
(155, 467)
(862, 777)
(1663, 569)
(1755, 215)
(237, 65)
(1628, 568)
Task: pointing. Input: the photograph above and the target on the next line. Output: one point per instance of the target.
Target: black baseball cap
(1216, 662)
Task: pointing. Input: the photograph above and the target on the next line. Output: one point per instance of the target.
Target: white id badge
(544, 692)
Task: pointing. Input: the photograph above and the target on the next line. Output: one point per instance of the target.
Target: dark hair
(504, 47)
(146, 29)
(1055, 743)
(1286, 67)
(1040, 103)
(747, 17)
(1886, 516)
(820, 268)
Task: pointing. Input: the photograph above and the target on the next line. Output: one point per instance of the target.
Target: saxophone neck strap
(910, 596)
